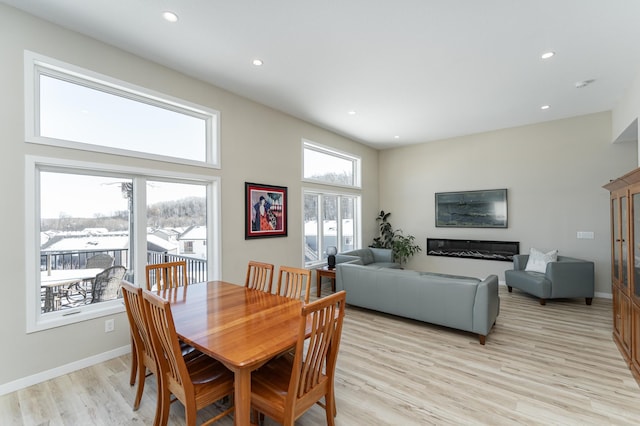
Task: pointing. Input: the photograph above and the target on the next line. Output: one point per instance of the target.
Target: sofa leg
(509, 288)
(543, 302)
(589, 300)
(483, 339)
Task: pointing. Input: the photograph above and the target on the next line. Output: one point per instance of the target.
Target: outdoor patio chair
(100, 260)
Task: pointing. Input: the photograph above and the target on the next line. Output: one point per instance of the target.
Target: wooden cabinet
(625, 266)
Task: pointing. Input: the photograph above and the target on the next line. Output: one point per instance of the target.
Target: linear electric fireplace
(474, 249)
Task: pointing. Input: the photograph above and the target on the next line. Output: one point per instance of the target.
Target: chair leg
(482, 338)
(141, 379)
(328, 408)
(509, 288)
(164, 404)
(134, 363)
(190, 414)
(543, 302)
(589, 300)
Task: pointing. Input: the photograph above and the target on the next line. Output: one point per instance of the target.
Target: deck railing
(196, 268)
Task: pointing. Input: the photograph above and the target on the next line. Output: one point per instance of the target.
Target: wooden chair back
(311, 372)
(143, 350)
(214, 381)
(259, 276)
(167, 275)
(166, 345)
(318, 358)
(291, 282)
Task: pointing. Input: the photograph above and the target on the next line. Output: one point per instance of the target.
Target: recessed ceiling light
(170, 16)
(547, 55)
(352, 112)
(545, 107)
(257, 62)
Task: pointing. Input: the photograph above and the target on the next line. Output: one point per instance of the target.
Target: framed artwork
(265, 211)
(472, 209)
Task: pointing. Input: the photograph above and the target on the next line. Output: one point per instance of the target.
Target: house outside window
(331, 212)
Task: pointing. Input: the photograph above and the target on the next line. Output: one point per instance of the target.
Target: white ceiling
(421, 70)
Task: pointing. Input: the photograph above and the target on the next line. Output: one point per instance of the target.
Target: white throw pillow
(538, 260)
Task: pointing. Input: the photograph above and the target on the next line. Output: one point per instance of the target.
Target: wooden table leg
(242, 397)
(318, 283)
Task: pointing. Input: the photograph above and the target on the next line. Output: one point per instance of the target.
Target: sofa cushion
(534, 283)
(449, 276)
(538, 260)
(391, 265)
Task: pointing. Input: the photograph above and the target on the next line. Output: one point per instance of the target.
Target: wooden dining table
(239, 327)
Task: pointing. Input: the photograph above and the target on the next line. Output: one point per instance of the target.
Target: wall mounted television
(472, 209)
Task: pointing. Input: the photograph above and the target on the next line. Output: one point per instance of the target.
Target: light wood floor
(546, 365)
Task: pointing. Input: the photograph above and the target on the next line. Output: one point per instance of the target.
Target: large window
(331, 214)
(76, 108)
(83, 213)
(329, 220)
(329, 166)
(89, 225)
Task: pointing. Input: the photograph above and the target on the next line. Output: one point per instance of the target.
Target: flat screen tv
(472, 209)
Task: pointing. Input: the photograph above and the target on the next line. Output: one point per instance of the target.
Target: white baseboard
(62, 370)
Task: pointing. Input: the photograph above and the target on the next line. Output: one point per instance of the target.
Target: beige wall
(258, 145)
(625, 115)
(554, 174)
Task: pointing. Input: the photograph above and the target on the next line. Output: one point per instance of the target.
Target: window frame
(36, 320)
(36, 64)
(355, 160)
(357, 229)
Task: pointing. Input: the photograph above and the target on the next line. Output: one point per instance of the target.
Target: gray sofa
(462, 303)
(566, 278)
(379, 257)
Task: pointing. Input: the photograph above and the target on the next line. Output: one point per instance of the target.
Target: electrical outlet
(109, 325)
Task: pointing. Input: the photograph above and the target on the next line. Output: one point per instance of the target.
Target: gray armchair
(566, 278)
(379, 257)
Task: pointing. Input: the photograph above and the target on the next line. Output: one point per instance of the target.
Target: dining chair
(291, 281)
(142, 356)
(197, 383)
(167, 275)
(259, 276)
(286, 387)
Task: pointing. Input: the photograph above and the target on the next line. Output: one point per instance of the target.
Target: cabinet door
(634, 282)
(619, 243)
(625, 314)
(624, 248)
(616, 246)
(617, 314)
(635, 349)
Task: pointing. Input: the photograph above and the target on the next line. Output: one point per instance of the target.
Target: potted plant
(403, 246)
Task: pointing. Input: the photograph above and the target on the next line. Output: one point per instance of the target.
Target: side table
(325, 272)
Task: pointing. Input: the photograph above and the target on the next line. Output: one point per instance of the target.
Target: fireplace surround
(473, 249)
